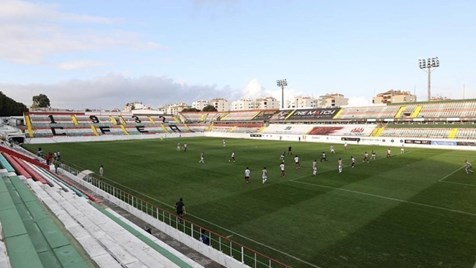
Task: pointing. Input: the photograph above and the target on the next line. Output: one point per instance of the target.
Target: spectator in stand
(39, 153)
(204, 238)
(49, 156)
(57, 164)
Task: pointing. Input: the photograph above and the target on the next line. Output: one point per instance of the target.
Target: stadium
(395, 188)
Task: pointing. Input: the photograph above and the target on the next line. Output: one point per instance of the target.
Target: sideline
(388, 198)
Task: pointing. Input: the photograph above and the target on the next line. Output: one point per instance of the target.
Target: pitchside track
(416, 209)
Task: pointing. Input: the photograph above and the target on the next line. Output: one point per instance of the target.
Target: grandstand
(368, 112)
(449, 124)
(44, 124)
(438, 120)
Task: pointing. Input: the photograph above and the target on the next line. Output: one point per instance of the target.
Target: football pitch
(416, 209)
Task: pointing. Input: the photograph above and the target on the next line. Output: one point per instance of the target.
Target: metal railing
(238, 251)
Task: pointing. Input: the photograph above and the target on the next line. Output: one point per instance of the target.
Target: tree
(41, 101)
(209, 108)
(9, 107)
(190, 110)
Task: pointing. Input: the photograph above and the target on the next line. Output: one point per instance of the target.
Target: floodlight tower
(428, 65)
(282, 83)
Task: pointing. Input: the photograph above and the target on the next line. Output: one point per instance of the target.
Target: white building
(200, 104)
(267, 103)
(222, 105)
(174, 108)
(394, 96)
(332, 100)
(303, 102)
(136, 105)
(243, 104)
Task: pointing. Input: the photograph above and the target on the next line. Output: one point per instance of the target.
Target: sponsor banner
(324, 130)
(314, 114)
(256, 135)
(350, 139)
(450, 143)
(466, 143)
(418, 142)
(281, 115)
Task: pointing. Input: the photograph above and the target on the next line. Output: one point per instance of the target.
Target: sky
(102, 54)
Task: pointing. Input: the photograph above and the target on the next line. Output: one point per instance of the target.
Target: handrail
(238, 251)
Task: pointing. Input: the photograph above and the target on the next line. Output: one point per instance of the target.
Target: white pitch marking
(443, 178)
(389, 198)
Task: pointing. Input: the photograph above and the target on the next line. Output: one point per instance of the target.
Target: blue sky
(105, 53)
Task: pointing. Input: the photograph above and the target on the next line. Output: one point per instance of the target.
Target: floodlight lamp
(422, 63)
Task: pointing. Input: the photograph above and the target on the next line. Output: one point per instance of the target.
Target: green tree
(209, 108)
(190, 110)
(9, 107)
(41, 101)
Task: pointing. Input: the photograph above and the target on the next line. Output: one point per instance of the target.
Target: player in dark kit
(323, 156)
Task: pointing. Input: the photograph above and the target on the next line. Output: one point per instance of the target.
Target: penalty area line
(445, 177)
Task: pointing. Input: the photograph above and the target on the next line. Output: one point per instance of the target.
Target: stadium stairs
(32, 238)
(56, 224)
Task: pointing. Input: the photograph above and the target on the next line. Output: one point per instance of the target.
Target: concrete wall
(60, 139)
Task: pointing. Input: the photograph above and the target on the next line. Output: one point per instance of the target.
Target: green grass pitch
(416, 209)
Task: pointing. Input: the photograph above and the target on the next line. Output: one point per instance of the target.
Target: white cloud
(33, 33)
(80, 64)
(114, 91)
(15, 10)
(253, 90)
